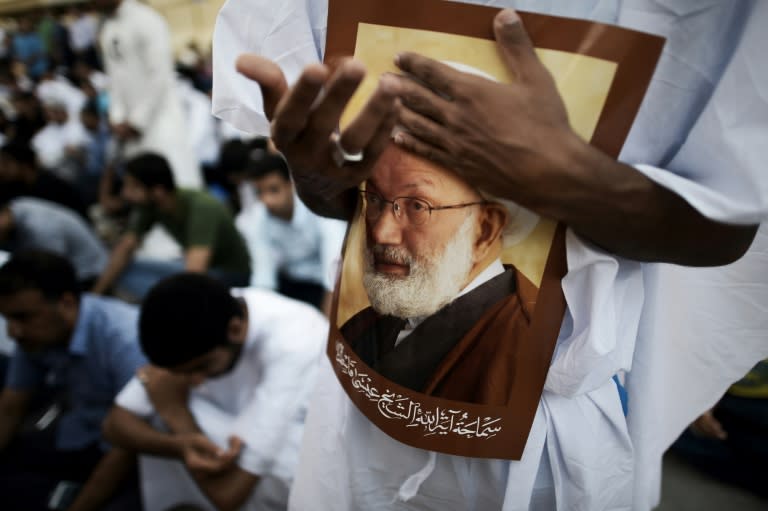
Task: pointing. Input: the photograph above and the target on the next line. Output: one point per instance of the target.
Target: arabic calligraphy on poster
(396, 406)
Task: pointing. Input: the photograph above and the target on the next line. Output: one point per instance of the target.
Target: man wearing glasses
(431, 270)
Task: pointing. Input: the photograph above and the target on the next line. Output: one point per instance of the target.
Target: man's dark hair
(184, 317)
(20, 152)
(268, 164)
(233, 157)
(91, 107)
(151, 170)
(49, 273)
(236, 155)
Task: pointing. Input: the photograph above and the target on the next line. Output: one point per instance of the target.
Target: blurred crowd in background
(80, 108)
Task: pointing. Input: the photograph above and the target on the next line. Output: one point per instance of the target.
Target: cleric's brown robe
(467, 351)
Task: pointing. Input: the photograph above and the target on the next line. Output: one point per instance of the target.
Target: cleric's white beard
(433, 280)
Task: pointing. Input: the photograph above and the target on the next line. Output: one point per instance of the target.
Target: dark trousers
(31, 469)
(301, 290)
(741, 458)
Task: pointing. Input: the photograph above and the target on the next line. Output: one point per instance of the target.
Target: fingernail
(508, 17)
(399, 138)
(397, 59)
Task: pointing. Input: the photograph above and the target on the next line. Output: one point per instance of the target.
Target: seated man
(61, 145)
(234, 159)
(20, 175)
(29, 223)
(239, 368)
(199, 223)
(295, 251)
(81, 346)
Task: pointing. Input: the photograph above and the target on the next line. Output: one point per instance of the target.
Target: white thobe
(60, 90)
(701, 132)
(51, 143)
(262, 400)
(201, 124)
(82, 32)
(136, 48)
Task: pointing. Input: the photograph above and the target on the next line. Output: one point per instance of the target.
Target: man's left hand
(503, 138)
(124, 131)
(203, 457)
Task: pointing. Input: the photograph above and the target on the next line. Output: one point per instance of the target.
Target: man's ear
(157, 193)
(69, 307)
(493, 219)
(237, 329)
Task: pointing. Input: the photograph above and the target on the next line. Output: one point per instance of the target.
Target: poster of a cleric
(449, 303)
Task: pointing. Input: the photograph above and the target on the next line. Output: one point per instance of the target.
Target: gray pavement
(686, 489)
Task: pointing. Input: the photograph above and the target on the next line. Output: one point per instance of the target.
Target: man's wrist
(177, 444)
(178, 419)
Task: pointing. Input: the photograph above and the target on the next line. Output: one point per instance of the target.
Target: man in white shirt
(295, 251)
(60, 146)
(238, 369)
(144, 107)
(698, 174)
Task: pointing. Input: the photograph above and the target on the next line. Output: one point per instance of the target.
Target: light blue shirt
(103, 354)
(306, 248)
(45, 225)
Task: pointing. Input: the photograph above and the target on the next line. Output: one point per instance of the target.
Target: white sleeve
(135, 399)
(156, 57)
(271, 424)
(720, 169)
(290, 32)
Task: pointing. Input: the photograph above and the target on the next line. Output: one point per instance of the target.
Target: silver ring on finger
(342, 157)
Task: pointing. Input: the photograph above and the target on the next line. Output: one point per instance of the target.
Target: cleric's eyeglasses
(415, 210)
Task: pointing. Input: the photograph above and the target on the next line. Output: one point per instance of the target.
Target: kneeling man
(218, 416)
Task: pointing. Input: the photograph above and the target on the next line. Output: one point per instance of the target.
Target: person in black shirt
(20, 176)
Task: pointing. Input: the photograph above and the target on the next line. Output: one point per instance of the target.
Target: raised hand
(305, 119)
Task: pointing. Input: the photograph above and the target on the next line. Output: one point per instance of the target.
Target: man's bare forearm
(13, 406)
(128, 431)
(105, 479)
(621, 210)
(118, 260)
(229, 489)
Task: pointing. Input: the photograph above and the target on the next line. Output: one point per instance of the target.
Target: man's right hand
(305, 118)
(202, 456)
(708, 426)
(124, 131)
